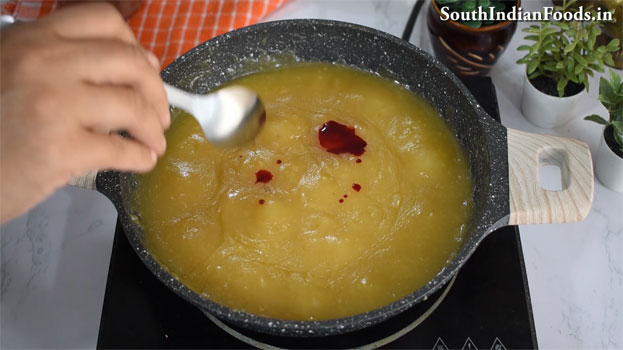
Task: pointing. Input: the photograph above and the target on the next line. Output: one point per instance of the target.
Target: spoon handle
(202, 107)
(179, 98)
(230, 115)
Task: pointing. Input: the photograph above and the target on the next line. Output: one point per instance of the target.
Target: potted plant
(470, 47)
(609, 161)
(612, 30)
(558, 65)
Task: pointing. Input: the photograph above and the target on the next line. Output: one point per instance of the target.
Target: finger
(125, 7)
(113, 152)
(117, 63)
(90, 20)
(107, 107)
(155, 62)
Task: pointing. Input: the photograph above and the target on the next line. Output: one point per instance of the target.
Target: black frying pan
(504, 163)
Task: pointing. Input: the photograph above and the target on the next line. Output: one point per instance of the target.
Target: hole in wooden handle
(553, 169)
(550, 178)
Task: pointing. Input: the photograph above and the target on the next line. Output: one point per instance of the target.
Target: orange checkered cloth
(170, 28)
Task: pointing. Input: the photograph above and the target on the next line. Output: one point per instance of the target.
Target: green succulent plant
(565, 51)
(473, 5)
(611, 97)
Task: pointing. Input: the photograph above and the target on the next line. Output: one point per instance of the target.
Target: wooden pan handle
(85, 181)
(529, 202)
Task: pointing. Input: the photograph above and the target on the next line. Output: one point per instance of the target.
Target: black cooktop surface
(487, 307)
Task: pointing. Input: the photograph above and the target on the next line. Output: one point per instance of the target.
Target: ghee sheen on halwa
(285, 227)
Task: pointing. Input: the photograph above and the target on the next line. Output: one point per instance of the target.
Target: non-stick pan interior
(274, 44)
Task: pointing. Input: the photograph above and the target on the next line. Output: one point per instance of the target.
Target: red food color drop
(341, 200)
(339, 138)
(278, 161)
(358, 160)
(345, 196)
(263, 176)
(357, 187)
(262, 201)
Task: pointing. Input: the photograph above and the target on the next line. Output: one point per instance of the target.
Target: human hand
(66, 82)
(126, 7)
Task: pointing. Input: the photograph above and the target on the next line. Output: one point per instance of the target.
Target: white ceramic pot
(609, 167)
(547, 111)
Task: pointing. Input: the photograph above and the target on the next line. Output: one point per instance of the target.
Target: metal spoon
(230, 116)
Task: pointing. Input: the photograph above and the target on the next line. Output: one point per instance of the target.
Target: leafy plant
(467, 6)
(565, 51)
(611, 96)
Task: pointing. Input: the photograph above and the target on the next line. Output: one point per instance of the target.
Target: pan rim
(315, 327)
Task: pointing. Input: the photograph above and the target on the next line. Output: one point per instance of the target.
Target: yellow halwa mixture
(305, 244)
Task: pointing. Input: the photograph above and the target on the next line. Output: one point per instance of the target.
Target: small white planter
(609, 167)
(547, 111)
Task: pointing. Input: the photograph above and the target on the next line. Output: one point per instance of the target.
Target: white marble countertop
(54, 259)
